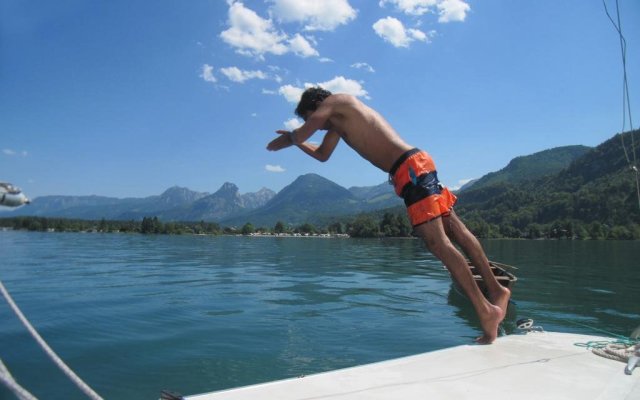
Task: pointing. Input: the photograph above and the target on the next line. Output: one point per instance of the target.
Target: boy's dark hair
(310, 99)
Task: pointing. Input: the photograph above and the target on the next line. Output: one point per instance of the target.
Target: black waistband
(402, 159)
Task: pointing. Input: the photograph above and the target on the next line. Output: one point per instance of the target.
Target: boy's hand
(281, 142)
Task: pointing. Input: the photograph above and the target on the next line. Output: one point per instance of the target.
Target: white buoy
(12, 196)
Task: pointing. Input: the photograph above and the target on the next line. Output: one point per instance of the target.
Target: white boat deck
(538, 365)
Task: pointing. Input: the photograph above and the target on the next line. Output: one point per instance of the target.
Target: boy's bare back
(362, 128)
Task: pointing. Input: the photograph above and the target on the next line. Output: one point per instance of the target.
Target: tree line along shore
(387, 224)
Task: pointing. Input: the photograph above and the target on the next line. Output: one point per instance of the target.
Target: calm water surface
(135, 314)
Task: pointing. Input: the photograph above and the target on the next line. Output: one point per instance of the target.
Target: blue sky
(127, 98)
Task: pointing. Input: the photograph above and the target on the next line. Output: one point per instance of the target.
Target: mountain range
(306, 199)
(312, 198)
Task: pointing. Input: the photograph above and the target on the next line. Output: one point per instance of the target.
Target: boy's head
(310, 100)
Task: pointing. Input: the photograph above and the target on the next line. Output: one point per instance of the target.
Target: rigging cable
(54, 357)
(626, 103)
(6, 378)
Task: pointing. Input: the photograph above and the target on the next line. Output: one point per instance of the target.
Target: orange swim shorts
(415, 179)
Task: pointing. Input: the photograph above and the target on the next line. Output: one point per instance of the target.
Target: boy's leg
(438, 243)
(458, 232)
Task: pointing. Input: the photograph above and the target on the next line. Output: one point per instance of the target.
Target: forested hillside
(594, 197)
(532, 166)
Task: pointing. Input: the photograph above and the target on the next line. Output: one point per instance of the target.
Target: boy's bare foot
(501, 299)
(490, 323)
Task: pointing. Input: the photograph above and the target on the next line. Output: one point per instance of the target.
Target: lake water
(134, 314)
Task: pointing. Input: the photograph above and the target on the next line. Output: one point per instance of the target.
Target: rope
(626, 102)
(616, 351)
(9, 382)
(621, 349)
(602, 344)
(52, 355)
(624, 350)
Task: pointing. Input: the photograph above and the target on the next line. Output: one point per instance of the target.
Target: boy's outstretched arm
(320, 152)
(324, 150)
(316, 121)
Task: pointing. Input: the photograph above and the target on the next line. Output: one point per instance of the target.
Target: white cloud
(363, 65)
(339, 84)
(235, 74)
(11, 152)
(394, 32)
(411, 7)
(207, 73)
(274, 168)
(291, 93)
(325, 60)
(276, 71)
(293, 123)
(324, 15)
(448, 10)
(255, 36)
(418, 35)
(252, 35)
(300, 46)
(452, 10)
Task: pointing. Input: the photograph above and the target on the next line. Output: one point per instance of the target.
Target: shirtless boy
(413, 173)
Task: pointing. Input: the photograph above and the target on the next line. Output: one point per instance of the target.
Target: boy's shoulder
(340, 100)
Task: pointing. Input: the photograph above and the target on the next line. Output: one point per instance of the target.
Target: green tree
(508, 231)
(581, 232)
(307, 228)
(150, 225)
(102, 226)
(596, 231)
(635, 231)
(336, 227)
(171, 228)
(395, 225)
(279, 228)
(248, 229)
(620, 232)
(534, 231)
(364, 226)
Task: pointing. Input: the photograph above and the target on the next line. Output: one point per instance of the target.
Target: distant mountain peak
(265, 190)
(178, 196)
(258, 199)
(174, 188)
(228, 187)
(310, 177)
